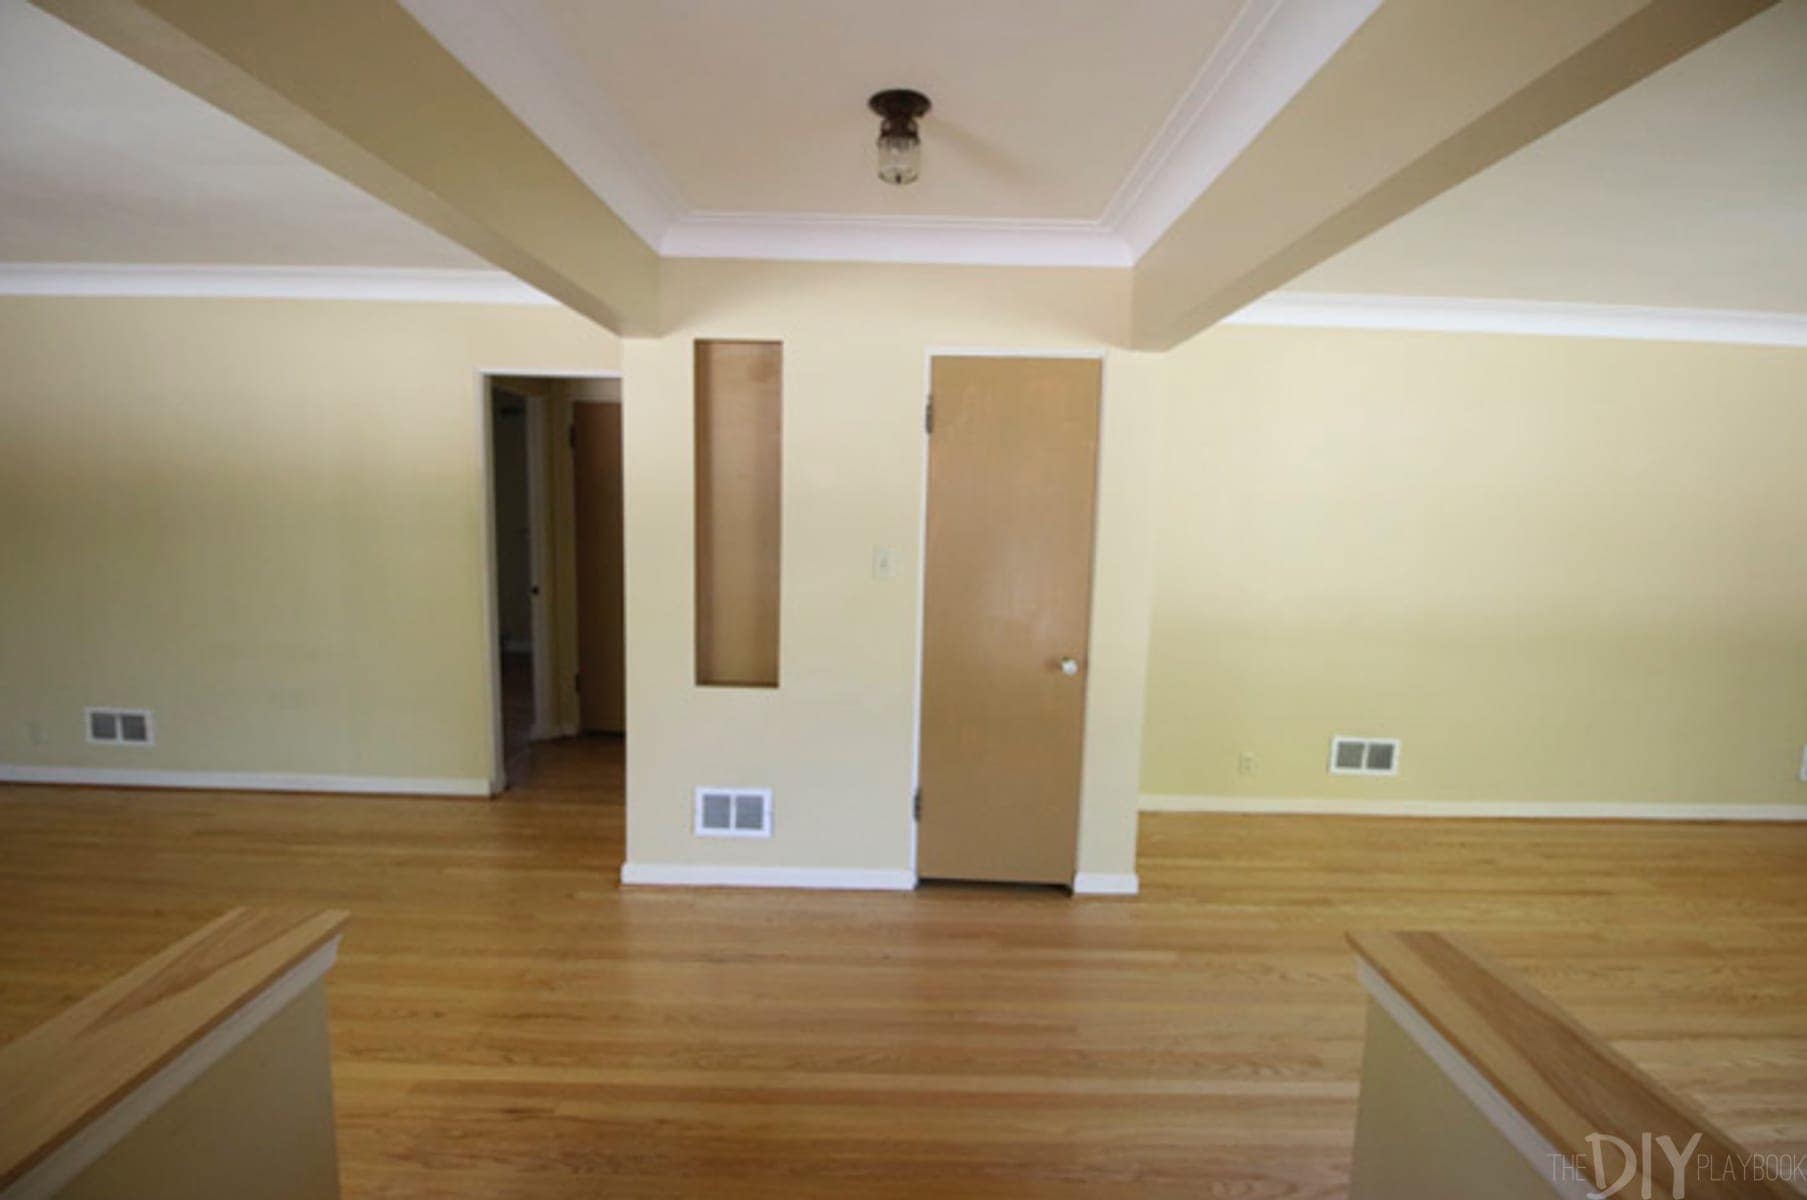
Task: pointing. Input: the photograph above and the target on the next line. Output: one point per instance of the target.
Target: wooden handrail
(59, 1078)
(1560, 1078)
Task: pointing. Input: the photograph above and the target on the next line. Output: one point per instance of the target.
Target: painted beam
(1423, 95)
(359, 87)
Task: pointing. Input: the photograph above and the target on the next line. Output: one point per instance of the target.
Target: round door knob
(1069, 666)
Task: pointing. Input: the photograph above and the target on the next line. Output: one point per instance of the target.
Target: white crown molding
(509, 47)
(861, 243)
(850, 879)
(1271, 51)
(828, 237)
(1549, 810)
(1548, 318)
(244, 781)
(270, 283)
(1268, 53)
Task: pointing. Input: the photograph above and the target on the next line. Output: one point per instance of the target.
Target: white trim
(107, 1130)
(492, 611)
(1494, 1107)
(1267, 56)
(701, 875)
(515, 53)
(194, 281)
(1546, 810)
(1548, 318)
(245, 781)
(834, 237)
(1431, 314)
(1100, 883)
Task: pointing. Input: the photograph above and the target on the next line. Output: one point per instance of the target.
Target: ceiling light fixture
(899, 144)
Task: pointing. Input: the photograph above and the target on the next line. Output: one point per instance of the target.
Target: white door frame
(929, 355)
(538, 538)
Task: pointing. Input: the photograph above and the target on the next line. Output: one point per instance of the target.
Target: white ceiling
(719, 127)
(1064, 131)
(1042, 107)
(102, 161)
(1688, 189)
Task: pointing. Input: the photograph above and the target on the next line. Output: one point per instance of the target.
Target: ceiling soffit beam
(360, 88)
(1424, 95)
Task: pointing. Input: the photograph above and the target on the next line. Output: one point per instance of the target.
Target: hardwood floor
(590, 768)
(508, 1023)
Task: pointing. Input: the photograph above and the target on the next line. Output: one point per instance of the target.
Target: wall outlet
(36, 733)
(1804, 764)
(1245, 763)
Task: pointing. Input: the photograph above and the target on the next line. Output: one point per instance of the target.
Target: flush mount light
(899, 144)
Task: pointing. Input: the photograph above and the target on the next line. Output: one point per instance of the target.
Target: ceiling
(1067, 132)
(1688, 190)
(1042, 107)
(717, 127)
(102, 161)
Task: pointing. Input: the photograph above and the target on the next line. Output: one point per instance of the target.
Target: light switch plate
(884, 563)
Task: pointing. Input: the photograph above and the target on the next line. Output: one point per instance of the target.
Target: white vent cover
(733, 812)
(1364, 756)
(119, 726)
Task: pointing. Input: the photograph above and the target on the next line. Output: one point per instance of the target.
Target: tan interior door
(601, 631)
(1013, 463)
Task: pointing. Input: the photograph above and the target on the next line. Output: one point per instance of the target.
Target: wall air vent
(1364, 756)
(733, 812)
(119, 726)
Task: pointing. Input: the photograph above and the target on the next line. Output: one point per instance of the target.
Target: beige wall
(257, 1124)
(1417, 1137)
(1560, 570)
(835, 741)
(264, 520)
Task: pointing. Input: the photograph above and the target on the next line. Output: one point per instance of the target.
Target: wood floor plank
(508, 1022)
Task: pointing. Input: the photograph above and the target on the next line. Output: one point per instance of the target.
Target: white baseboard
(1099, 883)
(1556, 810)
(245, 781)
(699, 875)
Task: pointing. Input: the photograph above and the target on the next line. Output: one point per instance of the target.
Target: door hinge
(928, 416)
(571, 435)
(577, 682)
(916, 806)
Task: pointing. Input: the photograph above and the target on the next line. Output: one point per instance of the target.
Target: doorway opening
(558, 647)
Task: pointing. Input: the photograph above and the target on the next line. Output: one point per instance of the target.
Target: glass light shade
(899, 157)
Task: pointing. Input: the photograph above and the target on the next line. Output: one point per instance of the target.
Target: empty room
(789, 598)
